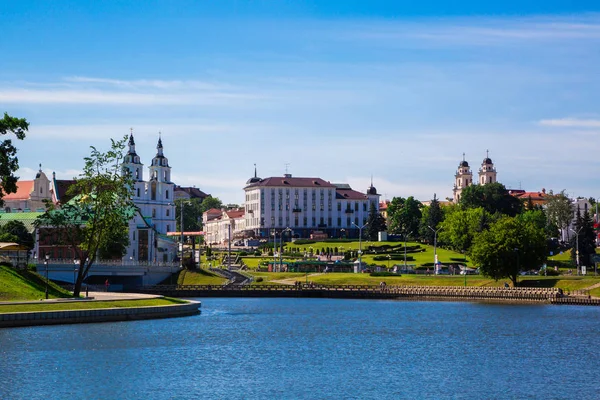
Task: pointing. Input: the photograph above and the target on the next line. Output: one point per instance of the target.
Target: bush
(259, 279)
(394, 257)
(549, 272)
(243, 254)
(304, 241)
(383, 274)
(257, 253)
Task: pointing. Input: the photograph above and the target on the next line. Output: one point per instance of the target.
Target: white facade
(217, 226)
(156, 216)
(305, 205)
(464, 177)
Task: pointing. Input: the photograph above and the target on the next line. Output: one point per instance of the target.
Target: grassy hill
(26, 285)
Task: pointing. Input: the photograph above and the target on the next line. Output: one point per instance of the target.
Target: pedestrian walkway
(93, 296)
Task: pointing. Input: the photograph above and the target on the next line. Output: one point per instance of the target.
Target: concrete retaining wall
(97, 315)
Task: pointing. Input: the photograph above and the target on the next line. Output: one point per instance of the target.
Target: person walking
(107, 284)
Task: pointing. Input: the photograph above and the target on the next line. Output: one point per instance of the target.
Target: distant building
(217, 225)
(537, 198)
(30, 195)
(305, 205)
(189, 193)
(464, 177)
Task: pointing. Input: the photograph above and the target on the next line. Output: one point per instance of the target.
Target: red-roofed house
(305, 205)
(537, 198)
(30, 195)
(216, 226)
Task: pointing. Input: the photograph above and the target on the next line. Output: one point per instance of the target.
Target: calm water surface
(313, 348)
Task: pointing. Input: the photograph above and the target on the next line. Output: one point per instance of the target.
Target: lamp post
(74, 273)
(360, 228)
(405, 249)
(389, 257)
(46, 258)
(343, 231)
(274, 247)
(435, 258)
(181, 238)
(281, 247)
(577, 247)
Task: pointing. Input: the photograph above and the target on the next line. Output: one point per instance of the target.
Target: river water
(314, 349)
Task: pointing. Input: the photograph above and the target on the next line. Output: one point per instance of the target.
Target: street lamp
(577, 246)
(181, 239)
(389, 257)
(46, 258)
(274, 246)
(435, 258)
(281, 246)
(360, 228)
(343, 231)
(74, 274)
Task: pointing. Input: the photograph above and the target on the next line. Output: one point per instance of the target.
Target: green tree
(210, 202)
(375, 223)
(560, 210)
(492, 197)
(99, 209)
(508, 247)
(432, 216)
(586, 238)
(19, 231)
(404, 215)
(460, 227)
(192, 214)
(9, 163)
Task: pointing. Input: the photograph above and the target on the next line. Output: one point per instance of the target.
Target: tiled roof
(213, 211)
(194, 193)
(24, 189)
(291, 182)
(349, 194)
(62, 186)
(27, 218)
(235, 213)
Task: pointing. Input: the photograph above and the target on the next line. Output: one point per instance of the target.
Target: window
(356, 220)
(280, 221)
(356, 206)
(168, 213)
(296, 221)
(339, 221)
(322, 206)
(138, 192)
(168, 228)
(314, 221)
(167, 194)
(329, 221)
(348, 221)
(134, 236)
(364, 206)
(339, 206)
(321, 221)
(272, 221)
(153, 212)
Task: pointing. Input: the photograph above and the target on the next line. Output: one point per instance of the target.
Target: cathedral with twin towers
(464, 176)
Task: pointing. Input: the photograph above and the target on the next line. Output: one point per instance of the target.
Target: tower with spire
(487, 172)
(154, 200)
(372, 194)
(463, 178)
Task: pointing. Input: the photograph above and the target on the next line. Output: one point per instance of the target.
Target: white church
(464, 176)
(156, 208)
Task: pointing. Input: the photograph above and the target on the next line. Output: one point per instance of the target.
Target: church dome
(372, 190)
(487, 161)
(463, 163)
(254, 179)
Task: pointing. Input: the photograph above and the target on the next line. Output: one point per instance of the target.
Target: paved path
(94, 296)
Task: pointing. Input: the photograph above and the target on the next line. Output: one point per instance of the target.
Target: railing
(110, 263)
(481, 293)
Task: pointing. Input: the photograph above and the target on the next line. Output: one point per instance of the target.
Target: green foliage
(383, 274)
(508, 247)
(559, 209)
(585, 238)
(19, 232)
(461, 226)
(259, 279)
(492, 197)
(393, 257)
(100, 208)
(404, 215)
(9, 163)
(375, 223)
(304, 241)
(432, 216)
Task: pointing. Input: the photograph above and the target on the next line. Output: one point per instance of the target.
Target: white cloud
(571, 123)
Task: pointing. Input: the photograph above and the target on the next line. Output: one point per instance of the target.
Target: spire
(487, 154)
(255, 171)
(131, 141)
(40, 167)
(159, 146)
(463, 156)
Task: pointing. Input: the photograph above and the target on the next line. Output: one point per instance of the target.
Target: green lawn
(87, 305)
(199, 277)
(26, 285)
(269, 277)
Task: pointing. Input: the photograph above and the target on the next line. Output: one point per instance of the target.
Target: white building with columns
(305, 206)
(464, 177)
(148, 240)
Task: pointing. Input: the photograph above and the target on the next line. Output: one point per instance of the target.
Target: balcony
(349, 211)
(296, 210)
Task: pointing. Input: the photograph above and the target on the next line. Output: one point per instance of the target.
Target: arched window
(167, 194)
(154, 213)
(153, 191)
(138, 192)
(137, 173)
(168, 213)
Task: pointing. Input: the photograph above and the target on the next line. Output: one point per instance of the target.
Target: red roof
(213, 211)
(349, 194)
(24, 189)
(235, 213)
(292, 182)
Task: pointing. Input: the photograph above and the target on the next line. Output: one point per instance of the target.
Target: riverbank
(100, 307)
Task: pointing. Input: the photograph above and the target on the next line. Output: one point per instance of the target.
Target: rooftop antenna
(463, 156)
(487, 154)
(286, 167)
(519, 185)
(255, 170)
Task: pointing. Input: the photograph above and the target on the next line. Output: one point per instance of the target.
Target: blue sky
(340, 90)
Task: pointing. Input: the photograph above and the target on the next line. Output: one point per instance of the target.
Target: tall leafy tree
(20, 233)
(508, 247)
(460, 227)
(404, 215)
(100, 208)
(560, 210)
(492, 197)
(586, 238)
(375, 223)
(9, 163)
(432, 216)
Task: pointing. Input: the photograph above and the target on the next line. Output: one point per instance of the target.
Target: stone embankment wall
(98, 315)
(525, 295)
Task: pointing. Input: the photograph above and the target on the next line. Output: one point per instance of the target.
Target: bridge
(122, 274)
